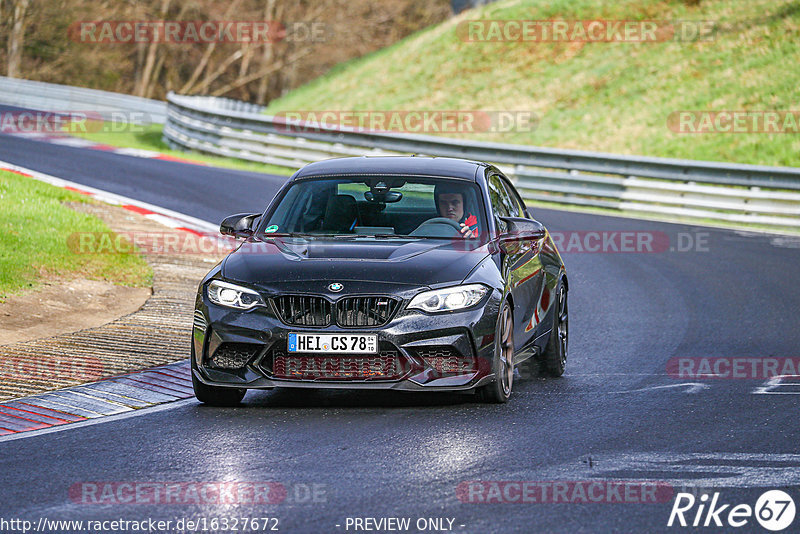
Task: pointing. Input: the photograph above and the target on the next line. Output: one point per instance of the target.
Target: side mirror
(239, 225)
(520, 229)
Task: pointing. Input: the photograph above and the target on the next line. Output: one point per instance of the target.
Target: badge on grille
(336, 287)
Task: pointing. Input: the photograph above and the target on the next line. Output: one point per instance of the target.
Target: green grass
(35, 227)
(149, 138)
(610, 97)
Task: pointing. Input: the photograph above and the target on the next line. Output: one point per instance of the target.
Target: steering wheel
(442, 221)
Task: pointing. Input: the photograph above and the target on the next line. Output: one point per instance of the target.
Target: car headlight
(449, 298)
(233, 296)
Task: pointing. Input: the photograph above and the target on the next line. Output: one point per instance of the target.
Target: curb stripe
(33, 415)
(175, 373)
(18, 425)
(74, 189)
(156, 389)
(137, 209)
(67, 418)
(171, 388)
(195, 232)
(170, 379)
(105, 398)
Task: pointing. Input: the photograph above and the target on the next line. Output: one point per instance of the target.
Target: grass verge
(34, 229)
(600, 96)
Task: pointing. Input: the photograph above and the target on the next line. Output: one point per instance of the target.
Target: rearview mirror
(383, 197)
(239, 225)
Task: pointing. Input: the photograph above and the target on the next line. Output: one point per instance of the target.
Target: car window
(517, 205)
(500, 200)
(378, 205)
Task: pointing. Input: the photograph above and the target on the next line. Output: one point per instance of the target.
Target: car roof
(393, 165)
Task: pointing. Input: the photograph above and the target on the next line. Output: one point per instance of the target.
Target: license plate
(333, 343)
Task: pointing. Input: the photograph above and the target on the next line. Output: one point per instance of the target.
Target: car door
(519, 263)
(547, 267)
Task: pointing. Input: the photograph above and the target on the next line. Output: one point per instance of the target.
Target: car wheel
(554, 357)
(503, 363)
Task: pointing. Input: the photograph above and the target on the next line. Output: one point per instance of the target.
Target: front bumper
(255, 337)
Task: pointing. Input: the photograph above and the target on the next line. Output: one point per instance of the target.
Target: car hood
(284, 262)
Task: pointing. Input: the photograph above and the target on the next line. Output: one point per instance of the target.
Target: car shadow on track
(334, 398)
(326, 398)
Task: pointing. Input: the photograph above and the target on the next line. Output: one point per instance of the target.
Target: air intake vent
(365, 311)
(387, 365)
(303, 310)
(199, 320)
(233, 355)
(445, 361)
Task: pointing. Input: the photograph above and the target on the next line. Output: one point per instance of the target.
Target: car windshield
(379, 206)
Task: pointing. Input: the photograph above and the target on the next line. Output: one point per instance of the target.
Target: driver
(450, 202)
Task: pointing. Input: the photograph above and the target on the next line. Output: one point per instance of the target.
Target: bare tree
(189, 86)
(252, 71)
(269, 69)
(143, 88)
(16, 37)
(270, 13)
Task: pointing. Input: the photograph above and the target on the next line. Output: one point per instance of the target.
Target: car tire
(499, 390)
(217, 396)
(554, 357)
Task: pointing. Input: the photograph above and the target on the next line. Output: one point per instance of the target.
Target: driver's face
(451, 206)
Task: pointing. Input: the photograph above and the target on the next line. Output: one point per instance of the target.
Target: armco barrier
(718, 191)
(711, 190)
(64, 98)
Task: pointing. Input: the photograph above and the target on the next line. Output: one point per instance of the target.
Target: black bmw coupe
(404, 273)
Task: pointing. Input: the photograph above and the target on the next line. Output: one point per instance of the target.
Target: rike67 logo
(774, 510)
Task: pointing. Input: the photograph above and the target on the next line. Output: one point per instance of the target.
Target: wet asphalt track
(615, 415)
